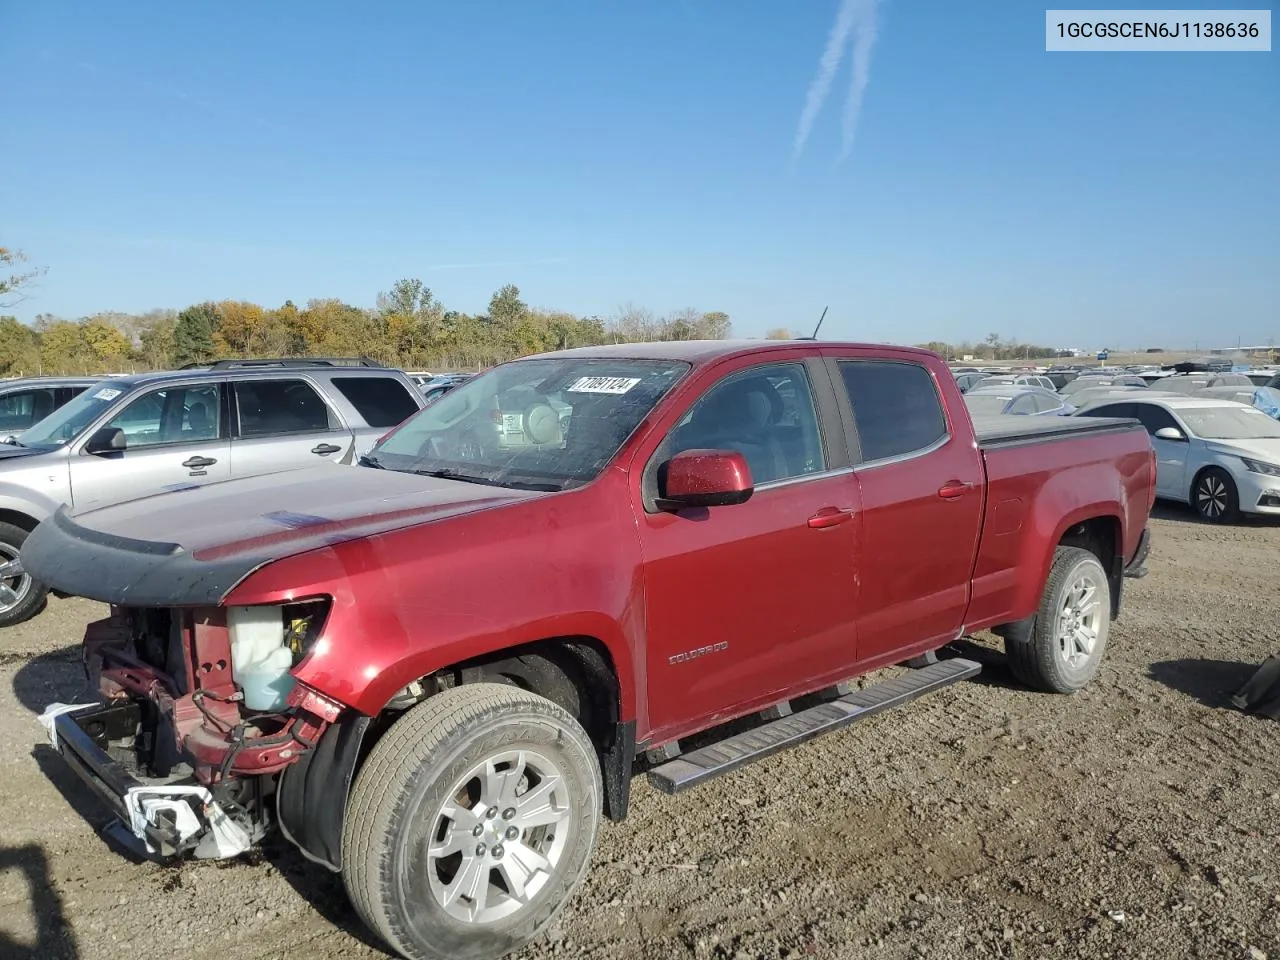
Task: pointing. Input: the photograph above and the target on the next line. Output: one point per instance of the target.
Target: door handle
(953, 489)
(830, 517)
(195, 463)
(324, 449)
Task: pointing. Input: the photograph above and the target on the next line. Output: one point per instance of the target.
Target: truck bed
(1007, 430)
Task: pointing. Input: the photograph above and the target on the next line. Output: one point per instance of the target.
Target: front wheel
(21, 597)
(1063, 650)
(1215, 496)
(471, 823)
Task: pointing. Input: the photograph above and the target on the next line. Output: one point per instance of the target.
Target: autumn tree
(19, 348)
(193, 334)
(13, 277)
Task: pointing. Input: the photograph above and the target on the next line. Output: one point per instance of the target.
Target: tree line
(408, 327)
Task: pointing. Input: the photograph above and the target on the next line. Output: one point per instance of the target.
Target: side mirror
(704, 478)
(1170, 433)
(106, 440)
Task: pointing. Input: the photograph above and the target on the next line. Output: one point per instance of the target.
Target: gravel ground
(1140, 818)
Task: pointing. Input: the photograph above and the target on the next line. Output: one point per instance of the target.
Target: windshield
(1230, 423)
(532, 424)
(982, 406)
(65, 424)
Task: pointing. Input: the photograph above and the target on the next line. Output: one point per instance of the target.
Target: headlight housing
(1257, 466)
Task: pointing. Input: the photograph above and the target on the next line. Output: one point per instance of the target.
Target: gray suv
(129, 437)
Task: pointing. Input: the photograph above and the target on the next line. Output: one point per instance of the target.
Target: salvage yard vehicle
(27, 400)
(435, 673)
(137, 435)
(1220, 456)
(994, 400)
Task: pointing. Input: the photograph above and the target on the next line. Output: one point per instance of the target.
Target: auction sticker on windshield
(602, 384)
(106, 393)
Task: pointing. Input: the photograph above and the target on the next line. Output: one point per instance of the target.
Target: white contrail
(853, 15)
(863, 41)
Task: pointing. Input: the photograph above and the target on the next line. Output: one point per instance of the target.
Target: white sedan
(1220, 456)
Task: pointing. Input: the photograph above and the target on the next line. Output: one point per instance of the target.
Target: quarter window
(765, 413)
(896, 407)
(20, 410)
(381, 401)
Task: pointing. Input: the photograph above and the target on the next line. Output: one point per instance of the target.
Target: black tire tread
(1031, 661)
(372, 810)
(34, 602)
(1232, 513)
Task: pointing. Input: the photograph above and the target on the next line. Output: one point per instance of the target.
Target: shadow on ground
(46, 677)
(321, 888)
(1210, 682)
(55, 939)
(1185, 513)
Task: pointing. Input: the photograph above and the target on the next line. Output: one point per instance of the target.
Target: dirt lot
(1140, 818)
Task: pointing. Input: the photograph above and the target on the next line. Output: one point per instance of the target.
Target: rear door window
(281, 407)
(1152, 417)
(896, 408)
(380, 401)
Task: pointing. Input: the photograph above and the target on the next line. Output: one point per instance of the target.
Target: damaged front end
(197, 714)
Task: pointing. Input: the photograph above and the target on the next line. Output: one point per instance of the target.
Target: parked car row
(128, 437)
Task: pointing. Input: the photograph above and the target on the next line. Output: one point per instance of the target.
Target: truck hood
(194, 545)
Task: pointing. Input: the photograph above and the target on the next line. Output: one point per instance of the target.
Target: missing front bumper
(160, 821)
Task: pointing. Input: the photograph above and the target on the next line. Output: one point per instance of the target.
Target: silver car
(130, 437)
(1220, 456)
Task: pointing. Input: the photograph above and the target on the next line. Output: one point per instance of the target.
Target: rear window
(896, 407)
(381, 401)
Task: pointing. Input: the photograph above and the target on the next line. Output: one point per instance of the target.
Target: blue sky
(595, 154)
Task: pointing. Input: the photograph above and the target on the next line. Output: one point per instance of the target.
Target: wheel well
(577, 673)
(19, 519)
(1101, 537)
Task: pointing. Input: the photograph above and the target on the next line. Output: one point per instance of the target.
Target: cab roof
(702, 352)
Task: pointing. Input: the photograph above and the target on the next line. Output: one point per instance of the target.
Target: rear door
(176, 436)
(377, 403)
(921, 489)
(284, 423)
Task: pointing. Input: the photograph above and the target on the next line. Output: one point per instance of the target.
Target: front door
(175, 437)
(743, 601)
(285, 424)
(922, 501)
(1171, 455)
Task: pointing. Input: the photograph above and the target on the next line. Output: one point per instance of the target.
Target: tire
(1053, 656)
(430, 758)
(21, 597)
(1215, 497)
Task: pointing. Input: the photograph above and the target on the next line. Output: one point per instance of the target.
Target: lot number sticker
(602, 384)
(106, 393)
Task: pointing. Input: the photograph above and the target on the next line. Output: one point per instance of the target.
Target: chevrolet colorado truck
(437, 671)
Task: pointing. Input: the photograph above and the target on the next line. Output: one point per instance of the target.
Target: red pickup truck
(435, 672)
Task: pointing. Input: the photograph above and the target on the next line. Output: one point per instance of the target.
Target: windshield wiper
(13, 442)
(449, 474)
(369, 460)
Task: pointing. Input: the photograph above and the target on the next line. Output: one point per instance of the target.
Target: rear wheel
(21, 597)
(1215, 496)
(1063, 650)
(471, 823)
